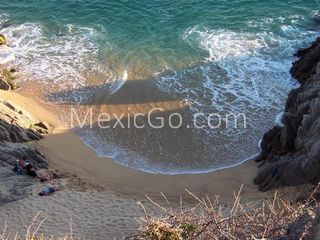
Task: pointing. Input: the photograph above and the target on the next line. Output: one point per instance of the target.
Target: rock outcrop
(6, 75)
(291, 154)
(16, 128)
(7, 80)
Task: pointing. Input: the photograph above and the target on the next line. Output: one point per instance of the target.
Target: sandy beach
(112, 206)
(66, 151)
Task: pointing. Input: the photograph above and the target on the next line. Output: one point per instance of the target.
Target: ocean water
(209, 56)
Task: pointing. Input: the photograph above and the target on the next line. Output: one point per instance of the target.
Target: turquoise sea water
(223, 55)
(152, 33)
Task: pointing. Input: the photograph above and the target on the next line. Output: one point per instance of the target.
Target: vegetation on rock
(3, 40)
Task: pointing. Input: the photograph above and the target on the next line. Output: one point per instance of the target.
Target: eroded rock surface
(291, 154)
(7, 79)
(16, 128)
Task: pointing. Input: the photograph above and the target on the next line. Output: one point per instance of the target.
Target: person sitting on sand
(20, 165)
(47, 191)
(22, 162)
(30, 170)
(23, 165)
(17, 169)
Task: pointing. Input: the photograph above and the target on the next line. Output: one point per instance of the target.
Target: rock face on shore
(17, 128)
(291, 153)
(7, 79)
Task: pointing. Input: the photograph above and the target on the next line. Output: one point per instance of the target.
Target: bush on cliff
(273, 218)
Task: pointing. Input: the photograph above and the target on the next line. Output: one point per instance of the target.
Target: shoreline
(169, 195)
(65, 151)
(110, 197)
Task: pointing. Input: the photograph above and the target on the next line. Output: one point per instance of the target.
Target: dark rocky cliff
(291, 154)
(17, 128)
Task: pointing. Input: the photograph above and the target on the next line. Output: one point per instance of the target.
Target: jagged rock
(304, 68)
(4, 85)
(43, 125)
(7, 80)
(291, 154)
(17, 127)
(11, 152)
(15, 133)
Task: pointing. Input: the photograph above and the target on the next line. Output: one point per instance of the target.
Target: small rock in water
(3, 40)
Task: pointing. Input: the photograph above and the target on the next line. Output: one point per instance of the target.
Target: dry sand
(92, 215)
(103, 215)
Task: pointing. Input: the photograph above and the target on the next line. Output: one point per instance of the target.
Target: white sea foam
(6, 55)
(118, 84)
(244, 73)
(3, 17)
(223, 44)
(278, 119)
(63, 60)
(267, 23)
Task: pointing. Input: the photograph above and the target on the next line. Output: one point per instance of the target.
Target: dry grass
(273, 218)
(32, 232)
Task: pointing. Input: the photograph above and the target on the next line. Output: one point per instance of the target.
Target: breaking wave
(66, 59)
